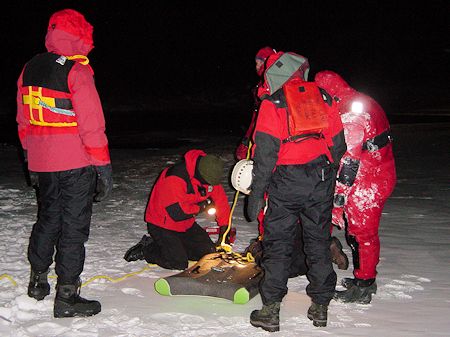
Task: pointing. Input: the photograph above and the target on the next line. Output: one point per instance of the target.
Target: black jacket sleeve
(265, 159)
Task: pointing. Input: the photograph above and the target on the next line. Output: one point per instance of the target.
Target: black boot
(337, 254)
(267, 318)
(358, 291)
(318, 313)
(69, 303)
(38, 287)
(347, 282)
(136, 252)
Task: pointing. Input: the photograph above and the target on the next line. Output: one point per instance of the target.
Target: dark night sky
(169, 48)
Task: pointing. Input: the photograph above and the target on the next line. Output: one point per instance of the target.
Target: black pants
(298, 264)
(296, 192)
(173, 250)
(64, 221)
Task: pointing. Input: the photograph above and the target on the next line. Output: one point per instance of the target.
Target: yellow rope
(80, 57)
(226, 247)
(97, 277)
(118, 279)
(6, 276)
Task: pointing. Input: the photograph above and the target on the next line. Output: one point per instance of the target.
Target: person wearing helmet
(181, 192)
(366, 178)
(297, 172)
(260, 58)
(61, 128)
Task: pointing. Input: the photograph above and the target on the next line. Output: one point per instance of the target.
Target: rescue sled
(220, 274)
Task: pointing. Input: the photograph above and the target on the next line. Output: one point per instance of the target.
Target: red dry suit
(367, 170)
(60, 117)
(174, 199)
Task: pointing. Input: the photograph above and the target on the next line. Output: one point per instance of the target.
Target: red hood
(262, 55)
(191, 160)
(336, 86)
(69, 34)
(333, 84)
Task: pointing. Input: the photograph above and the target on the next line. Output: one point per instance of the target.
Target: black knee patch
(351, 240)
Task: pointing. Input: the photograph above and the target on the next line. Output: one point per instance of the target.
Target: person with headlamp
(366, 178)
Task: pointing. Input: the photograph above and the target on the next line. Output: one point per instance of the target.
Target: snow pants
(305, 193)
(173, 250)
(363, 210)
(64, 221)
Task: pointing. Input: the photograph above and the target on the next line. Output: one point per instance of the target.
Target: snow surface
(413, 296)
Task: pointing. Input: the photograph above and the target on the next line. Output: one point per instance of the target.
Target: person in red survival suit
(260, 59)
(62, 131)
(180, 193)
(299, 178)
(365, 181)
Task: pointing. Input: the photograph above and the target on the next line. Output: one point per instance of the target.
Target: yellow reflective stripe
(33, 99)
(55, 124)
(83, 57)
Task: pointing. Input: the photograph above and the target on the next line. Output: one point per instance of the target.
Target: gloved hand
(241, 151)
(104, 182)
(255, 248)
(337, 217)
(254, 205)
(222, 231)
(204, 205)
(33, 177)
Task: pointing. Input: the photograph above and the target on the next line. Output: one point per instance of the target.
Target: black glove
(104, 182)
(222, 231)
(204, 205)
(31, 177)
(255, 248)
(254, 205)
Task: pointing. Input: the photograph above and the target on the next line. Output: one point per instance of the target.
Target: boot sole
(364, 300)
(38, 297)
(69, 311)
(270, 328)
(317, 322)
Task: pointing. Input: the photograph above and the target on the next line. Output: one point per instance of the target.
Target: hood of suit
(69, 33)
(334, 84)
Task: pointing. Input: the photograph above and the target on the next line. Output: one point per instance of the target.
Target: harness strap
(378, 142)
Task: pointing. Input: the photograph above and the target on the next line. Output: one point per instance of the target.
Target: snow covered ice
(413, 297)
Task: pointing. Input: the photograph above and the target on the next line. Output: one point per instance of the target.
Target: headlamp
(357, 107)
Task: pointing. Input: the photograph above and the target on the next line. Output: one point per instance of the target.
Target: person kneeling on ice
(181, 192)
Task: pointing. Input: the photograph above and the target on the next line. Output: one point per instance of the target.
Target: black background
(164, 56)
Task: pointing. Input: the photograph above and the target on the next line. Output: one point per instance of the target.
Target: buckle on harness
(378, 142)
(371, 146)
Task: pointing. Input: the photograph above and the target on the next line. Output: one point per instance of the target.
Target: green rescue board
(218, 274)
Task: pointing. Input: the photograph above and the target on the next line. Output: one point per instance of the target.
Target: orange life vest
(307, 115)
